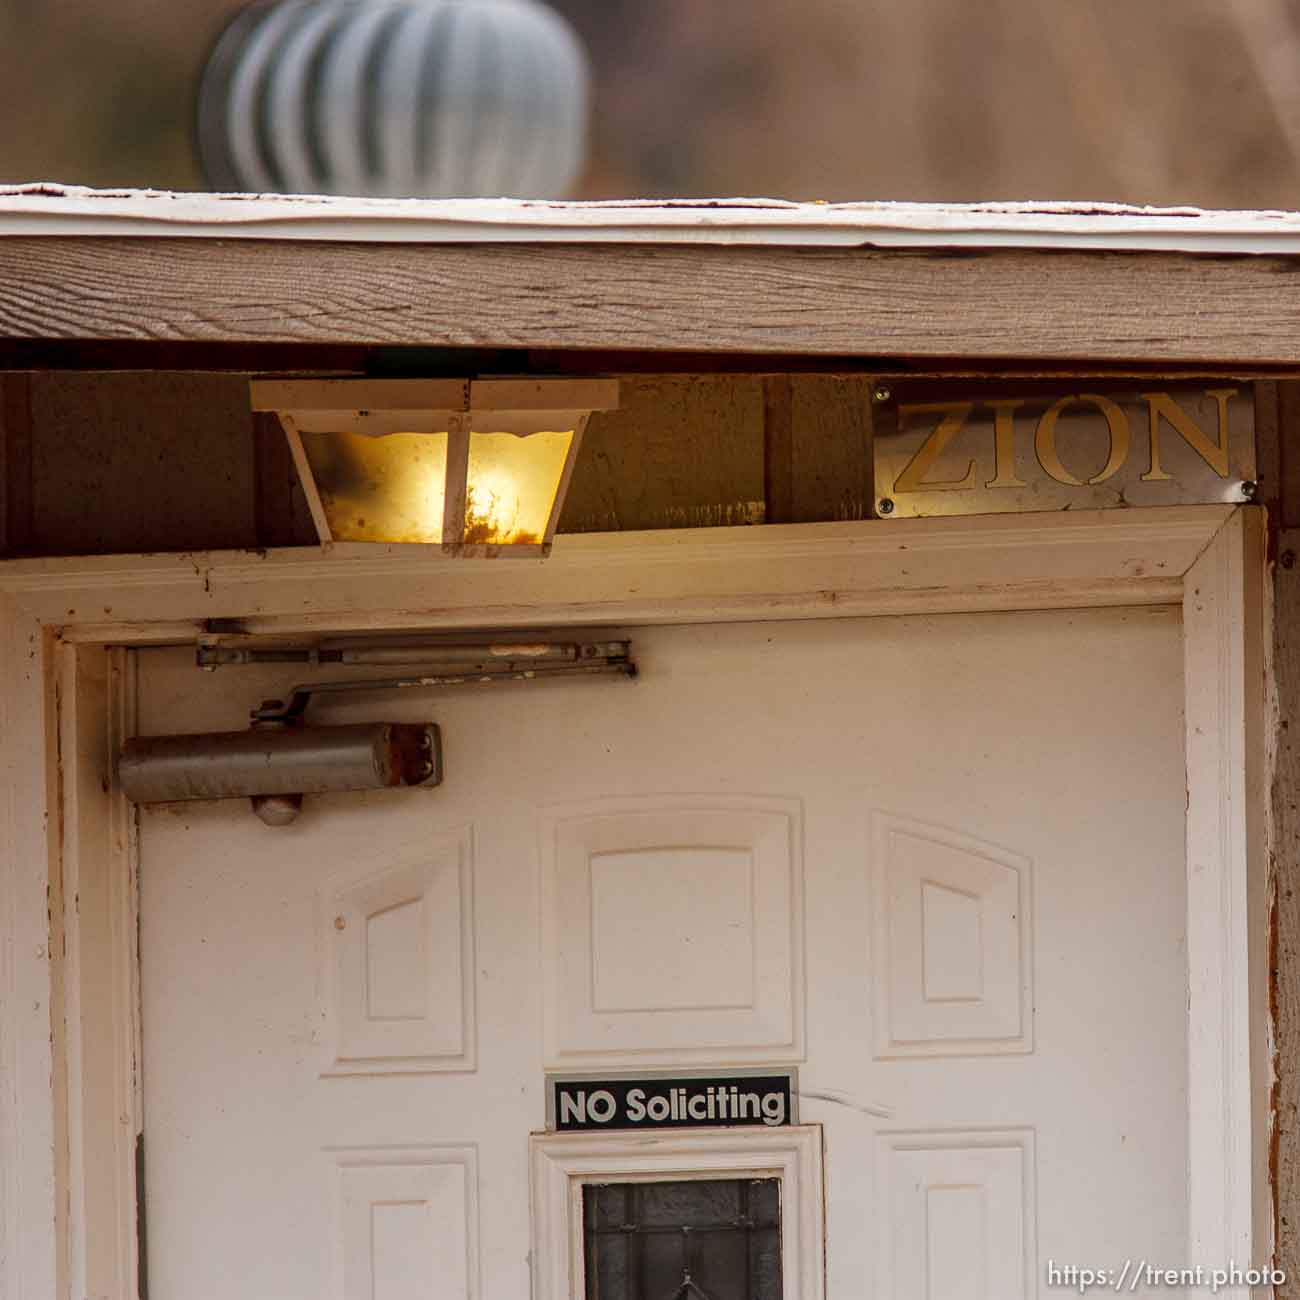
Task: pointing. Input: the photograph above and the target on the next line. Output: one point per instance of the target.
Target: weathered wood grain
(1285, 853)
(1102, 306)
(832, 454)
(1268, 448)
(16, 523)
(1283, 500)
(1288, 419)
(175, 461)
(778, 450)
(682, 451)
(140, 462)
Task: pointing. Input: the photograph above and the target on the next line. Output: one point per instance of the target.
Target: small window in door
(697, 1239)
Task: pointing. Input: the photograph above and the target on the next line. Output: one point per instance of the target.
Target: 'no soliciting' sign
(681, 1100)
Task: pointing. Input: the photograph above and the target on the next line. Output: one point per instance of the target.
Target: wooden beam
(832, 432)
(16, 492)
(1288, 430)
(1128, 308)
(139, 462)
(1285, 930)
(1284, 965)
(680, 452)
(778, 450)
(361, 360)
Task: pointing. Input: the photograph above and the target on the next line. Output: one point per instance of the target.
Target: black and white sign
(682, 1099)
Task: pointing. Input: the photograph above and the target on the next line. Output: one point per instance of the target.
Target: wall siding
(99, 463)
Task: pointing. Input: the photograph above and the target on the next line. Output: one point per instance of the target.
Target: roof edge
(44, 209)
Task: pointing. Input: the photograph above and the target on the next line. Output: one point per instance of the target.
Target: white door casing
(1214, 557)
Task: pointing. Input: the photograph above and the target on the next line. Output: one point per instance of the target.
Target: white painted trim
(437, 399)
(306, 479)
(562, 1163)
(29, 1262)
(1224, 634)
(816, 570)
(97, 1029)
(905, 566)
(45, 209)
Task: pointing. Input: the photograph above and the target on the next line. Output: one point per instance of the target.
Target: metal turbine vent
(394, 99)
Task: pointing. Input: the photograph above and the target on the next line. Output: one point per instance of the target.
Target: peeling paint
(43, 208)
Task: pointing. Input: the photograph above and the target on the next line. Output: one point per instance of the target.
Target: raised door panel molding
(709, 934)
(952, 964)
(957, 1216)
(407, 1223)
(397, 970)
(639, 964)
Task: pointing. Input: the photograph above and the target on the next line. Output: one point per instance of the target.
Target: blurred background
(1156, 102)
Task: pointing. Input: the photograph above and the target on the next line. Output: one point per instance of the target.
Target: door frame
(562, 1164)
(69, 1028)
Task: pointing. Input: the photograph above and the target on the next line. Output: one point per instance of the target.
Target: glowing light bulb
(512, 485)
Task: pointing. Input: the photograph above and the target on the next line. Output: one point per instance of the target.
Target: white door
(936, 862)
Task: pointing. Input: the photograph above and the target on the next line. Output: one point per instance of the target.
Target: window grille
(698, 1239)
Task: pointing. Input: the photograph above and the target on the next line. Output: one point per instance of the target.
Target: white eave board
(44, 209)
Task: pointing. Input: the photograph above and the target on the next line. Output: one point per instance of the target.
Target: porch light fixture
(480, 466)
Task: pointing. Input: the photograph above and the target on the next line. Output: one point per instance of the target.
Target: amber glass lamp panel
(380, 489)
(512, 485)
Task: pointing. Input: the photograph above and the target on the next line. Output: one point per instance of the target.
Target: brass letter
(1045, 439)
(912, 479)
(1004, 443)
(1214, 455)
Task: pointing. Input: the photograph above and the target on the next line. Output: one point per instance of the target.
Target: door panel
(936, 862)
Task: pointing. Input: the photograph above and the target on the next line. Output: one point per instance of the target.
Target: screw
(1249, 490)
(886, 506)
(882, 394)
